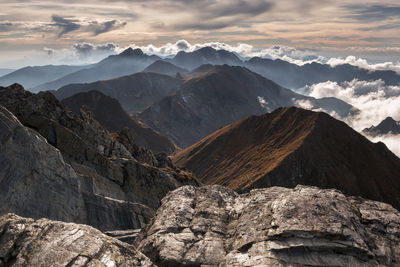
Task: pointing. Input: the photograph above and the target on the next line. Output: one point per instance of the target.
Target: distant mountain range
(222, 96)
(387, 126)
(134, 60)
(30, 77)
(292, 146)
(109, 113)
(5, 71)
(166, 68)
(135, 92)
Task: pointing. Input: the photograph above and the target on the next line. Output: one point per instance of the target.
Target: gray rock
(35, 181)
(26, 242)
(304, 226)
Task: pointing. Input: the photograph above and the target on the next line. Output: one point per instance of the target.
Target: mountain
(292, 146)
(166, 68)
(46, 243)
(109, 113)
(135, 92)
(62, 166)
(128, 62)
(5, 71)
(31, 77)
(205, 55)
(222, 96)
(304, 226)
(294, 76)
(387, 126)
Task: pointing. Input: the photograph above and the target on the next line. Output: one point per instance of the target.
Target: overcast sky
(40, 31)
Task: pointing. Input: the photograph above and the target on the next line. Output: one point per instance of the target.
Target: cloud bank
(374, 99)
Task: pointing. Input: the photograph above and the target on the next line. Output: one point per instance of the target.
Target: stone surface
(26, 242)
(35, 181)
(304, 226)
(95, 179)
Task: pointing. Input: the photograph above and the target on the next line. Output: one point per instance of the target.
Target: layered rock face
(304, 226)
(95, 179)
(292, 146)
(26, 242)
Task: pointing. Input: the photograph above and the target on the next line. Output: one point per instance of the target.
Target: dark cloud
(88, 50)
(373, 12)
(99, 28)
(66, 25)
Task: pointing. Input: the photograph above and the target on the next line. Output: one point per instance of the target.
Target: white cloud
(363, 63)
(263, 103)
(374, 99)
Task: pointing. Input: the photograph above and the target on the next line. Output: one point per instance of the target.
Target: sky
(37, 32)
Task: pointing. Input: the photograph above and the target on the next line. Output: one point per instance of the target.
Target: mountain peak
(387, 126)
(292, 146)
(132, 52)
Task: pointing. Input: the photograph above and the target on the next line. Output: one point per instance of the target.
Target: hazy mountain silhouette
(387, 126)
(128, 62)
(31, 77)
(135, 92)
(166, 68)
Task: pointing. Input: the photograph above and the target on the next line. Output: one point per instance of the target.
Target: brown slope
(111, 116)
(293, 146)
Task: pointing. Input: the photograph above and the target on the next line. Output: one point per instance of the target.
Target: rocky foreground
(215, 226)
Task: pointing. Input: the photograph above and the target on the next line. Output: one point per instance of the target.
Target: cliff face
(305, 226)
(26, 242)
(292, 146)
(95, 179)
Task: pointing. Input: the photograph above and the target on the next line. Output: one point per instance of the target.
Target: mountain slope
(294, 76)
(219, 97)
(135, 92)
(128, 62)
(293, 146)
(166, 68)
(31, 77)
(387, 126)
(109, 113)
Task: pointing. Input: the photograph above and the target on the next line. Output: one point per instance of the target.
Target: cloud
(65, 25)
(374, 99)
(373, 12)
(91, 52)
(390, 140)
(99, 28)
(70, 24)
(362, 63)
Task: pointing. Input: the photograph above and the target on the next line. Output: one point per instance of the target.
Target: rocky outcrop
(305, 226)
(292, 146)
(95, 179)
(109, 113)
(26, 242)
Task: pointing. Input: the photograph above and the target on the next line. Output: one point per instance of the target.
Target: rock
(127, 236)
(304, 226)
(35, 181)
(94, 180)
(26, 242)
